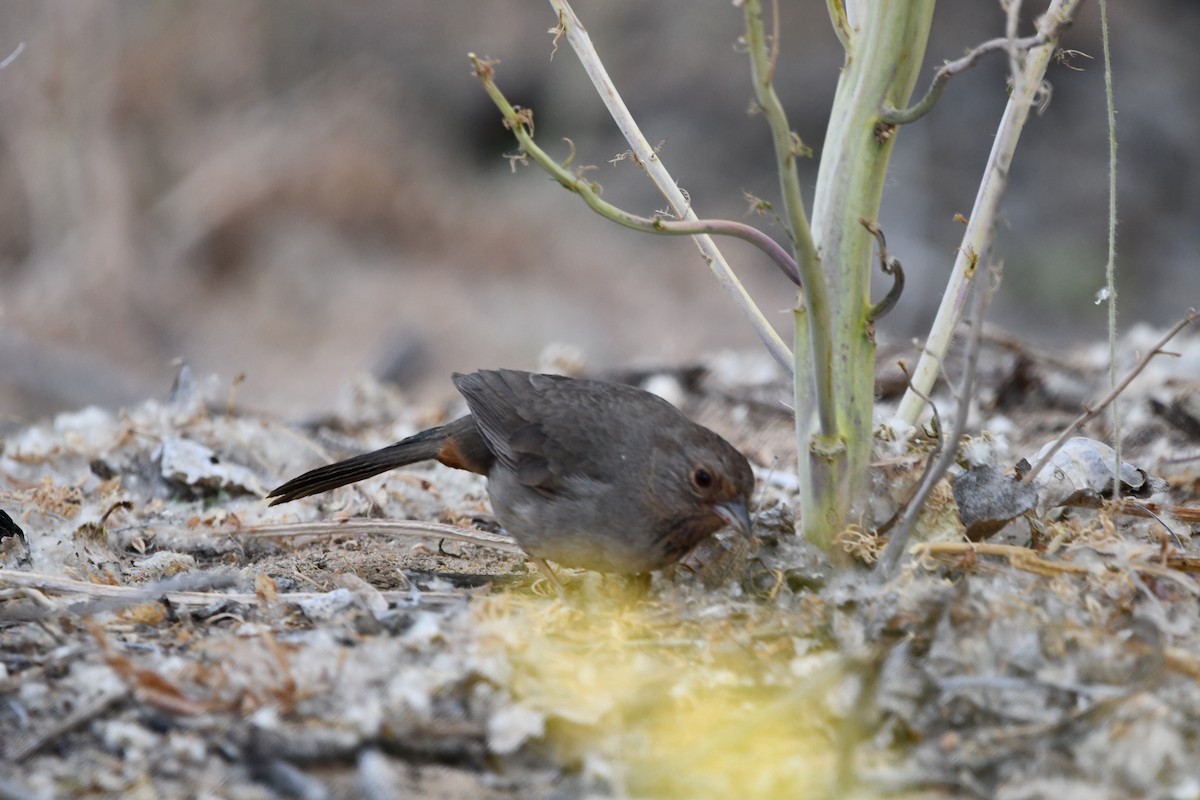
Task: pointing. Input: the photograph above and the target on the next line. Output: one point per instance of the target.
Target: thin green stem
(841, 24)
(948, 70)
(818, 311)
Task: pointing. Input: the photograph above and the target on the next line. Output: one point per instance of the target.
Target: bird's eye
(702, 478)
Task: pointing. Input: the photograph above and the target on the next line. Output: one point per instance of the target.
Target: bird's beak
(735, 515)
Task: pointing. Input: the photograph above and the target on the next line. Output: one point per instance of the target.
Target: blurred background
(299, 192)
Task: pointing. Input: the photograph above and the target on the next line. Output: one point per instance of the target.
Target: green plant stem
(820, 442)
(981, 225)
(834, 345)
(814, 363)
(841, 23)
(880, 72)
(949, 70)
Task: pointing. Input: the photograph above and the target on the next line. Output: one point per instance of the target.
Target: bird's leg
(548, 571)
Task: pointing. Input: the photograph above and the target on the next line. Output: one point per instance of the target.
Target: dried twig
(362, 527)
(131, 595)
(11, 57)
(1090, 413)
(1003, 339)
(947, 440)
(520, 122)
(923, 106)
(1012, 23)
(982, 220)
(80, 716)
(106, 597)
(1134, 508)
(1008, 44)
(1027, 560)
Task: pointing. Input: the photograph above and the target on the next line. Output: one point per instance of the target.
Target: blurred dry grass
(301, 191)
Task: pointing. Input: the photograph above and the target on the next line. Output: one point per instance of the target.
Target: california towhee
(586, 473)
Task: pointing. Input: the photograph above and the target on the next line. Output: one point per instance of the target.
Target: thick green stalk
(881, 69)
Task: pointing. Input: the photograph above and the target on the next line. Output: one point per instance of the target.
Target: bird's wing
(532, 424)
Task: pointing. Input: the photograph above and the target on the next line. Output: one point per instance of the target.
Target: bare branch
(11, 57)
(1012, 22)
(517, 120)
(947, 441)
(981, 224)
(951, 68)
(581, 43)
(1090, 413)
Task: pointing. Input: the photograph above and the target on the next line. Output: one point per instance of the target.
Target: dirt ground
(166, 634)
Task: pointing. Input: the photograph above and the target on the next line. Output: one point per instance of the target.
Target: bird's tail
(419, 447)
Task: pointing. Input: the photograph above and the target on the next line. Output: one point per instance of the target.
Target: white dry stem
(982, 223)
(1110, 267)
(581, 43)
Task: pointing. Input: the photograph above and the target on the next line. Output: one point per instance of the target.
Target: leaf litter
(166, 634)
